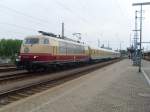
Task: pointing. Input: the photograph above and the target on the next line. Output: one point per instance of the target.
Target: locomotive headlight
(35, 57)
(19, 57)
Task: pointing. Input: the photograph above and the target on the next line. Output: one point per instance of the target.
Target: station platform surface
(115, 88)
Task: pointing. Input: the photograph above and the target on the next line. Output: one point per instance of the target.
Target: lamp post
(141, 6)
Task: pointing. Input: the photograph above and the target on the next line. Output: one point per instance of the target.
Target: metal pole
(135, 59)
(120, 46)
(140, 40)
(62, 30)
(136, 34)
(98, 42)
(130, 39)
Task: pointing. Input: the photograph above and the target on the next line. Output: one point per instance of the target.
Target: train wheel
(29, 69)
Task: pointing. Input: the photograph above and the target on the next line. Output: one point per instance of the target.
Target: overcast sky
(106, 20)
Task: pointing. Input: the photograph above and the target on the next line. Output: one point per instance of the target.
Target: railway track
(19, 89)
(12, 75)
(7, 67)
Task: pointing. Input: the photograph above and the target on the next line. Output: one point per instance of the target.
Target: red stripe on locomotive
(49, 57)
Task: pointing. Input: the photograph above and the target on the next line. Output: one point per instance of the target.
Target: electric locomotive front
(34, 50)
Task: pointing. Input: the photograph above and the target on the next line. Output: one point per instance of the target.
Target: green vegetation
(9, 47)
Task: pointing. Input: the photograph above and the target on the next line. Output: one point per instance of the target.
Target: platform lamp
(141, 6)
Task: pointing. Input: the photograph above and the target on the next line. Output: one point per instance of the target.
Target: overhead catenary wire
(36, 23)
(39, 19)
(82, 18)
(19, 26)
(34, 19)
(67, 8)
(23, 14)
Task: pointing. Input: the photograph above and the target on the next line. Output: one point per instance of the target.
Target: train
(48, 50)
(146, 55)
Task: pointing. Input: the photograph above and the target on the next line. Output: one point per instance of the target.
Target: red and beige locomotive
(45, 50)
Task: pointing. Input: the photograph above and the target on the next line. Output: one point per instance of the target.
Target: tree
(9, 47)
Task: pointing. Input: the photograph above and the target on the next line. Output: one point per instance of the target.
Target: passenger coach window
(32, 41)
(46, 41)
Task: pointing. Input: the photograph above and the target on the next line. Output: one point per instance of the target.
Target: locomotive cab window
(31, 41)
(46, 41)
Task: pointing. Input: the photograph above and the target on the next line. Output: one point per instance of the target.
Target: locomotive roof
(63, 40)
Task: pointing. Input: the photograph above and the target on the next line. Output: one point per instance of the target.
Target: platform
(115, 88)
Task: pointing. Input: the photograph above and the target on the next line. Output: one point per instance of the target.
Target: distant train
(146, 55)
(47, 50)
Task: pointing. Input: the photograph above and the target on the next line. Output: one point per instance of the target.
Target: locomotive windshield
(31, 41)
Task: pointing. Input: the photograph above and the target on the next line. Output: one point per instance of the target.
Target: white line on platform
(146, 77)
